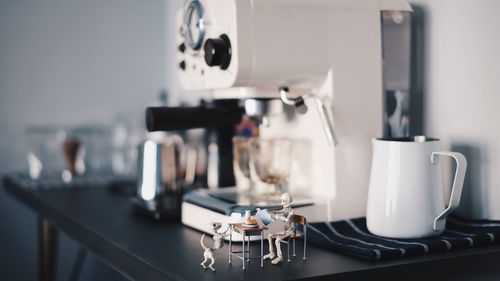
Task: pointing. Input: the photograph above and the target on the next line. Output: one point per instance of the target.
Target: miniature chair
(296, 220)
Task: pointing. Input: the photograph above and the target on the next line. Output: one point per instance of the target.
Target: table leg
(261, 248)
(248, 248)
(243, 252)
(294, 247)
(230, 243)
(47, 250)
(78, 265)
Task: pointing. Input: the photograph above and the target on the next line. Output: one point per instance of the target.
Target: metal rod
(47, 250)
(305, 240)
(248, 247)
(325, 119)
(78, 265)
(243, 243)
(230, 243)
(261, 248)
(288, 250)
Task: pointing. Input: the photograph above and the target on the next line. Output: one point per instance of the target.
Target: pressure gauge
(194, 26)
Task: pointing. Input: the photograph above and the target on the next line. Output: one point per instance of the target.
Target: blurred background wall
(71, 62)
(462, 93)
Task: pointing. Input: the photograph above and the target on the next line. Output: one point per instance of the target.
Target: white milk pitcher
(406, 193)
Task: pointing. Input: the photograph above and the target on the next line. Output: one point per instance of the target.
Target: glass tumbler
(46, 156)
(270, 161)
(241, 163)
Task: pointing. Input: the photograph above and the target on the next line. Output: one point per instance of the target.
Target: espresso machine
(320, 62)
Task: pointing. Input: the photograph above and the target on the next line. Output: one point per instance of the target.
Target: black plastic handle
(183, 118)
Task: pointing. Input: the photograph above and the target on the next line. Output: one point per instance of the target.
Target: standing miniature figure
(284, 215)
(218, 243)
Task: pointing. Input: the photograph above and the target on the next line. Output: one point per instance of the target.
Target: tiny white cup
(236, 218)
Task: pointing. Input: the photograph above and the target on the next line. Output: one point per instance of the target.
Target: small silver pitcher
(161, 171)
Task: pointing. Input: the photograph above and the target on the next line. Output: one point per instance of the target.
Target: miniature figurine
(284, 214)
(218, 243)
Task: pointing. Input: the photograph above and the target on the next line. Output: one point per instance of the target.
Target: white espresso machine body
(329, 48)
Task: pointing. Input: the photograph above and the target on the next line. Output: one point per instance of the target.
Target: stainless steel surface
(396, 48)
(262, 109)
(410, 139)
(160, 169)
(193, 29)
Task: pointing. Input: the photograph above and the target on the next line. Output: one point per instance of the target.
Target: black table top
(141, 249)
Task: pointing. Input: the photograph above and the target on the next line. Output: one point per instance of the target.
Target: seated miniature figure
(284, 215)
(218, 243)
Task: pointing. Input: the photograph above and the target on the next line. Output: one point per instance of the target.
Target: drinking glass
(241, 163)
(127, 133)
(46, 159)
(270, 161)
(96, 149)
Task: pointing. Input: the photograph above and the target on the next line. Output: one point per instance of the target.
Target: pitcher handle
(456, 190)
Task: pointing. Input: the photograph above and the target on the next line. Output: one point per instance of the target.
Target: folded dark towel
(353, 238)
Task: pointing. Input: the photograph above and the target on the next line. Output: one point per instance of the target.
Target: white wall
(79, 61)
(462, 95)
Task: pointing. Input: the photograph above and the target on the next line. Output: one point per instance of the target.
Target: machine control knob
(182, 65)
(182, 48)
(218, 51)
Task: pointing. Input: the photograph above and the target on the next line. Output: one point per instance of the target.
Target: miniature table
(247, 232)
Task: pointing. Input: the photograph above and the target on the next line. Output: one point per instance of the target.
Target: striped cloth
(353, 238)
